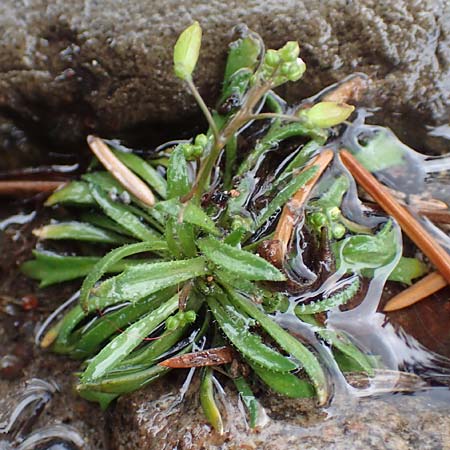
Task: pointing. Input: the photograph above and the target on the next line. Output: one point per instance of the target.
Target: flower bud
(272, 58)
(186, 51)
(172, 323)
(338, 230)
(297, 70)
(290, 51)
(190, 316)
(201, 140)
(318, 220)
(334, 213)
(328, 114)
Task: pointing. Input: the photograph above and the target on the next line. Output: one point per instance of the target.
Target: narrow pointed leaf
(74, 193)
(178, 183)
(245, 264)
(120, 214)
(288, 343)
(110, 260)
(143, 280)
(236, 327)
(79, 231)
(123, 344)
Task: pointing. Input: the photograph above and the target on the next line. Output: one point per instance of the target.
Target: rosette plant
(188, 252)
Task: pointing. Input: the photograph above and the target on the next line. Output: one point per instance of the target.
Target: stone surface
(68, 68)
(154, 419)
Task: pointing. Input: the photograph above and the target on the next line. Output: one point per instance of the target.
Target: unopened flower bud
(328, 114)
(201, 140)
(290, 51)
(272, 58)
(318, 220)
(172, 323)
(334, 213)
(190, 316)
(338, 230)
(186, 51)
(297, 70)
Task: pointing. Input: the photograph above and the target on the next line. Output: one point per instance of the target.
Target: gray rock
(155, 419)
(69, 68)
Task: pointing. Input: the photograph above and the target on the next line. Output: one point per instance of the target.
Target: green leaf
(141, 168)
(186, 51)
(125, 342)
(236, 325)
(284, 195)
(74, 193)
(89, 340)
(384, 150)
(340, 298)
(245, 264)
(208, 402)
(287, 342)
(79, 231)
(249, 400)
(121, 214)
(188, 212)
(103, 221)
(243, 53)
(110, 260)
(178, 183)
(285, 384)
(366, 251)
(138, 282)
(343, 344)
(51, 268)
(405, 271)
(333, 195)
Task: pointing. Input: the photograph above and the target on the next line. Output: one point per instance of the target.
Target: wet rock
(67, 69)
(155, 419)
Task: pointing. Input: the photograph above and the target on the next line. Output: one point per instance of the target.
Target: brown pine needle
(120, 172)
(210, 357)
(409, 224)
(427, 286)
(19, 188)
(289, 215)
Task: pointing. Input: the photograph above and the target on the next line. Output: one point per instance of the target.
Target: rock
(67, 69)
(155, 419)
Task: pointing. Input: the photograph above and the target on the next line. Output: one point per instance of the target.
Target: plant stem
(409, 224)
(203, 107)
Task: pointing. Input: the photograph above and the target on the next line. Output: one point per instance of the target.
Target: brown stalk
(289, 215)
(211, 357)
(120, 171)
(409, 224)
(19, 188)
(427, 286)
